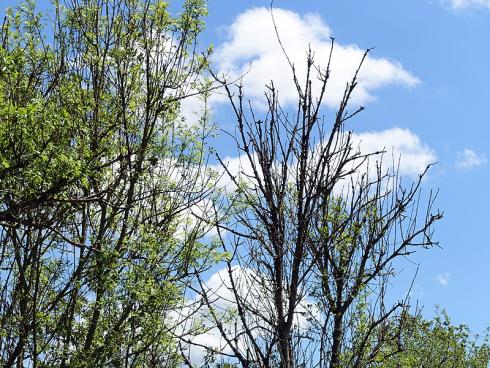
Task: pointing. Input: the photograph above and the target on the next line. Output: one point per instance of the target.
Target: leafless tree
(315, 228)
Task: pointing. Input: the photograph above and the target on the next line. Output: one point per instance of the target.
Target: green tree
(99, 176)
(438, 343)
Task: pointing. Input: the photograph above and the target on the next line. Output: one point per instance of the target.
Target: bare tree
(315, 227)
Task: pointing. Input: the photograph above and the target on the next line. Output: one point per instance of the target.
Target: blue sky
(445, 46)
(432, 58)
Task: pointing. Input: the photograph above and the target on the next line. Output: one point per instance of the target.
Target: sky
(426, 91)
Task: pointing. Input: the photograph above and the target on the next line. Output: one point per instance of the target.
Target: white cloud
(466, 4)
(239, 167)
(403, 148)
(469, 159)
(197, 218)
(192, 109)
(252, 39)
(253, 289)
(443, 278)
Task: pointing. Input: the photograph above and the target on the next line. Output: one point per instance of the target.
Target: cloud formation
(443, 278)
(253, 290)
(466, 4)
(403, 149)
(469, 159)
(253, 49)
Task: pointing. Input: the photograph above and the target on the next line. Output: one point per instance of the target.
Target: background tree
(439, 343)
(315, 229)
(99, 174)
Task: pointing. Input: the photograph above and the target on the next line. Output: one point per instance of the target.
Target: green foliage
(98, 173)
(438, 343)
